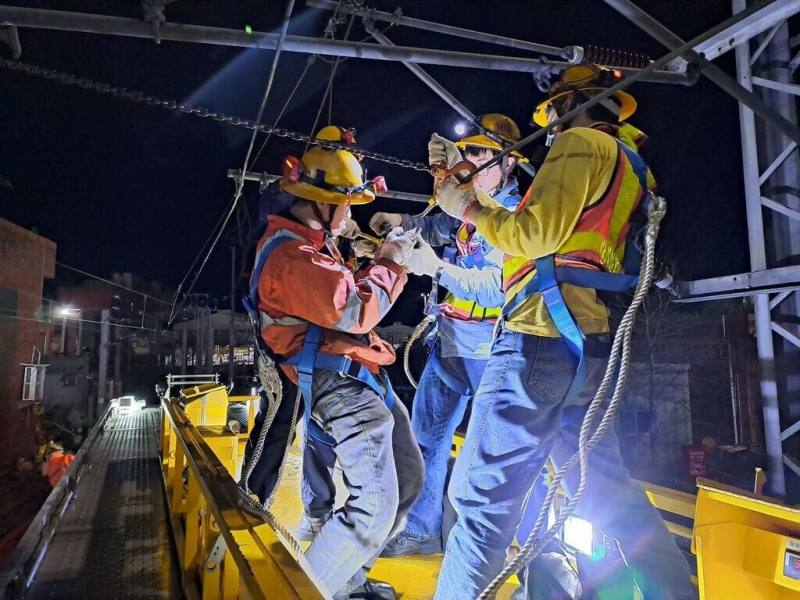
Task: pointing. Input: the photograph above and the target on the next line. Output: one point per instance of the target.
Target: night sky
(126, 187)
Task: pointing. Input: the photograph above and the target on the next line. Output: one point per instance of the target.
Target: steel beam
(792, 463)
(570, 53)
(758, 22)
(440, 91)
(779, 160)
(265, 178)
(776, 301)
(789, 88)
(668, 39)
(109, 25)
(739, 285)
(785, 334)
(781, 208)
(770, 399)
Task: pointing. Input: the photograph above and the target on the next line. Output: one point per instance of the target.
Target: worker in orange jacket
(316, 318)
(57, 463)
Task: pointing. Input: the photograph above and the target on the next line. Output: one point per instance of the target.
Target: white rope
(415, 335)
(620, 354)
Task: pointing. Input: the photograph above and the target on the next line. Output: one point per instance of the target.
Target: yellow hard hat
(502, 126)
(330, 176)
(335, 133)
(590, 79)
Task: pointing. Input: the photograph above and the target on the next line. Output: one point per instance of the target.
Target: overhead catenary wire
(17, 316)
(240, 183)
(110, 282)
(329, 87)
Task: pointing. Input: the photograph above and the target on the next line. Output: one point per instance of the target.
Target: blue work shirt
(479, 279)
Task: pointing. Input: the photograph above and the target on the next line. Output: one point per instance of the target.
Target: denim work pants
(317, 488)
(383, 472)
(518, 417)
(436, 413)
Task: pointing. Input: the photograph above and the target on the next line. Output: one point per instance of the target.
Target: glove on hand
(398, 246)
(351, 229)
(362, 248)
(454, 201)
(382, 222)
(443, 151)
(423, 260)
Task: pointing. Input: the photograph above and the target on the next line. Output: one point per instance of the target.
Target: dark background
(126, 187)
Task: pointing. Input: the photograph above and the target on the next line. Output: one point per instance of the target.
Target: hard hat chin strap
(325, 222)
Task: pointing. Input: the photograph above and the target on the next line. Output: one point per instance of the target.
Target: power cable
(240, 182)
(109, 282)
(328, 89)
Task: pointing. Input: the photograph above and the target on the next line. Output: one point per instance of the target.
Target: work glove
(351, 229)
(363, 248)
(384, 222)
(443, 151)
(423, 260)
(455, 201)
(398, 246)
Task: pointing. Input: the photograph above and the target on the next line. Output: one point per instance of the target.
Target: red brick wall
(26, 259)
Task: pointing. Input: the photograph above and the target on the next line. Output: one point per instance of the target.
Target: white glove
(351, 229)
(398, 246)
(454, 201)
(423, 260)
(443, 151)
(382, 222)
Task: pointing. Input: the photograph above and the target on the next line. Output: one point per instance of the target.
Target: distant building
(26, 260)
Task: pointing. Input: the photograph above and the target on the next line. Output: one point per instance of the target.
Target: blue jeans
(436, 413)
(317, 488)
(518, 417)
(383, 472)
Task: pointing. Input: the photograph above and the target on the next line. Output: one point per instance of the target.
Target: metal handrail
(21, 567)
(222, 497)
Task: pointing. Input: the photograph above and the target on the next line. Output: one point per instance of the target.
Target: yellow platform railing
(221, 552)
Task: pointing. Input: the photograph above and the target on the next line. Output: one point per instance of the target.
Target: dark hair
(598, 112)
(478, 150)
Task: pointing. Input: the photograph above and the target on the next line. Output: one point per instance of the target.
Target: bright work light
(579, 535)
(460, 128)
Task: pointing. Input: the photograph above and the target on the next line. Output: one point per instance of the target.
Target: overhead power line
(114, 283)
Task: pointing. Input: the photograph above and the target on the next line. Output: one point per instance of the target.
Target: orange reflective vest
(598, 240)
(57, 464)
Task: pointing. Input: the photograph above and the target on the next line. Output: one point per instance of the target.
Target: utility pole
(117, 361)
(232, 330)
(102, 367)
(184, 350)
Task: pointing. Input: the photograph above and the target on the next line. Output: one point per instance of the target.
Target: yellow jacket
(576, 175)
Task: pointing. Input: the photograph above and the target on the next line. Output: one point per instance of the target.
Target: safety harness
(548, 277)
(309, 357)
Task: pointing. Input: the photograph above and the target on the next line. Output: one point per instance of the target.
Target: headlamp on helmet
(588, 80)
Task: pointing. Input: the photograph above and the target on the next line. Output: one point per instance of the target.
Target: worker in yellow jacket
(571, 226)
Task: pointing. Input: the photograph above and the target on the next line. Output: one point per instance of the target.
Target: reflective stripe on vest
(598, 240)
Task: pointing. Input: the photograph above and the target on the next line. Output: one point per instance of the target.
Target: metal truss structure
(767, 59)
(772, 180)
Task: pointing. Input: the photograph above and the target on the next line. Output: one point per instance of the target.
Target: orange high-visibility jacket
(300, 284)
(56, 465)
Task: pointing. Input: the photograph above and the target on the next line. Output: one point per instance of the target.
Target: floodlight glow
(68, 311)
(579, 535)
(460, 128)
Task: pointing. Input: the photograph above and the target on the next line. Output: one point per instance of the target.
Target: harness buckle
(350, 369)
